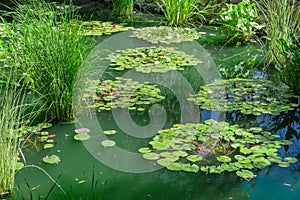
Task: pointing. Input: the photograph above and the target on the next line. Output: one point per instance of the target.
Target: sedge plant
(12, 113)
(46, 51)
(281, 18)
(123, 8)
(178, 12)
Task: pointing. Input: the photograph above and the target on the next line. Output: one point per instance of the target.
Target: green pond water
(90, 171)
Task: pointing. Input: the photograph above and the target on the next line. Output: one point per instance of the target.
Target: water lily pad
(250, 96)
(194, 158)
(144, 150)
(190, 168)
(110, 132)
(175, 166)
(284, 164)
(166, 34)
(151, 156)
(124, 93)
(53, 159)
(108, 143)
(290, 159)
(223, 158)
(151, 59)
(19, 165)
(82, 136)
(82, 130)
(245, 174)
(48, 146)
(164, 162)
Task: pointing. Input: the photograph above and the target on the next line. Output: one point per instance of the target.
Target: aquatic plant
(178, 12)
(53, 159)
(12, 117)
(166, 34)
(215, 147)
(123, 8)
(250, 96)
(98, 28)
(124, 93)
(45, 51)
(289, 69)
(151, 59)
(238, 22)
(279, 24)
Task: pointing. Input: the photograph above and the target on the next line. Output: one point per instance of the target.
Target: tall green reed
(12, 109)
(281, 19)
(123, 8)
(179, 12)
(46, 51)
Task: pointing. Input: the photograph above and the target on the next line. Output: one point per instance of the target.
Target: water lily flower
(50, 136)
(105, 84)
(114, 26)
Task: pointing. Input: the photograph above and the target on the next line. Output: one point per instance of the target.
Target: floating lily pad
(110, 132)
(98, 28)
(151, 59)
(284, 164)
(190, 168)
(223, 158)
(290, 159)
(144, 150)
(151, 156)
(251, 148)
(245, 174)
(19, 165)
(124, 93)
(194, 158)
(250, 96)
(48, 146)
(82, 130)
(175, 166)
(82, 136)
(108, 143)
(53, 159)
(166, 34)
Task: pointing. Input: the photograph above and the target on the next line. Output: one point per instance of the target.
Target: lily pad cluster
(151, 59)
(250, 96)
(125, 93)
(166, 34)
(216, 147)
(98, 28)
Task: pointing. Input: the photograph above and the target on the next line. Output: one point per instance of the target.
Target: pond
(90, 170)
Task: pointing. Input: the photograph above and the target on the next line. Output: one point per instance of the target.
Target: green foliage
(123, 8)
(151, 59)
(124, 93)
(290, 68)
(98, 28)
(281, 18)
(166, 35)
(238, 22)
(178, 12)
(250, 96)
(46, 51)
(216, 147)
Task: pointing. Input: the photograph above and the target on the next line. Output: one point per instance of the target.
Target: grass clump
(46, 51)
(281, 18)
(123, 8)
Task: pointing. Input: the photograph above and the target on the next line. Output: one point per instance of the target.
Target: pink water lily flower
(114, 26)
(105, 84)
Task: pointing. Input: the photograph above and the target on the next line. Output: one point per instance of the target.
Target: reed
(46, 51)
